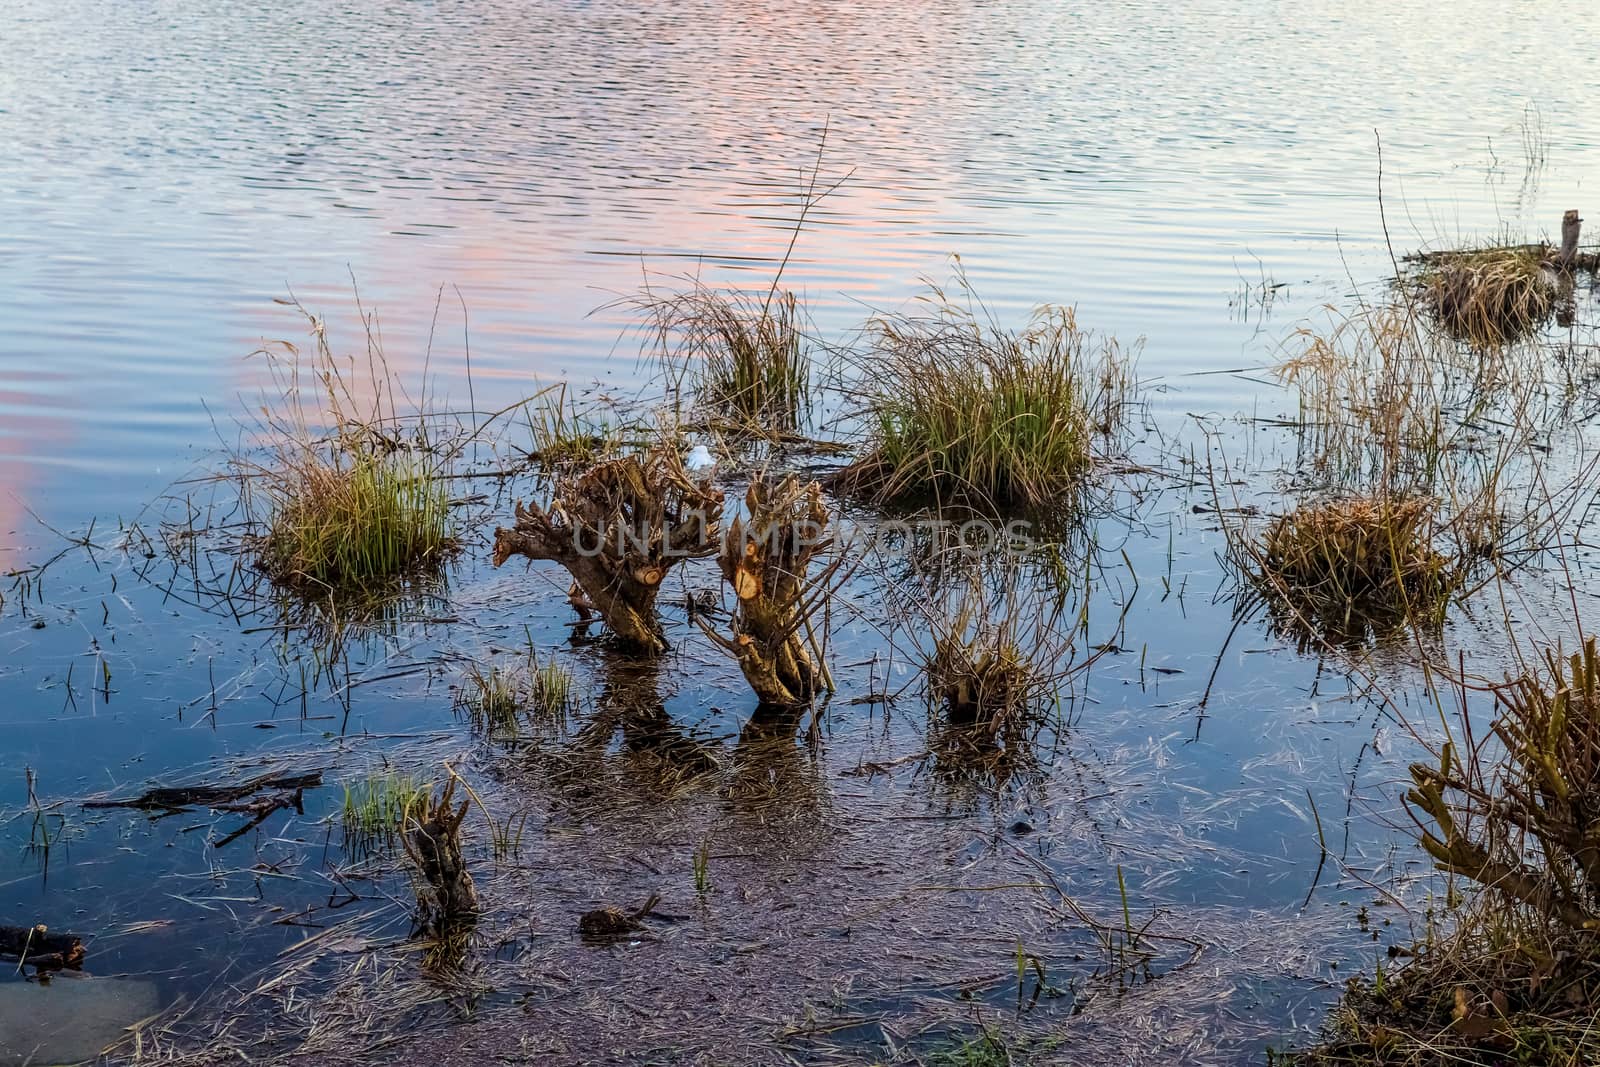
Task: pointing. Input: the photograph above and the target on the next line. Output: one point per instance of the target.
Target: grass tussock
(1353, 565)
(1518, 981)
(962, 410)
(1423, 470)
(563, 438)
(741, 355)
(1489, 296)
(355, 491)
(979, 678)
(498, 702)
(993, 661)
(349, 520)
(376, 809)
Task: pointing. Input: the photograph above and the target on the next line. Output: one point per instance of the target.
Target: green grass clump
(551, 691)
(491, 701)
(988, 1049)
(498, 701)
(354, 520)
(376, 809)
(960, 410)
(741, 354)
(564, 438)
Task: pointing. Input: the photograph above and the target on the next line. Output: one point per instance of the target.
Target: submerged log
(618, 529)
(433, 841)
(36, 945)
(259, 808)
(766, 559)
(179, 798)
(611, 922)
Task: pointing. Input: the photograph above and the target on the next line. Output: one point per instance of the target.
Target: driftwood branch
(180, 798)
(38, 947)
(618, 529)
(259, 808)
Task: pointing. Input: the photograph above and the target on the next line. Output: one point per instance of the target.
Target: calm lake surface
(1202, 176)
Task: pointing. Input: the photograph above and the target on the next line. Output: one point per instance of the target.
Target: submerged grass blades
(499, 701)
(376, 808)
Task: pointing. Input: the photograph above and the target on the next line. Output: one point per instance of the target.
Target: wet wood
(37, 946)
(766, 559)
(1571, 226)
(434, 844)
(618, 529)
(259, 809)
(181, 798)
(609, 922)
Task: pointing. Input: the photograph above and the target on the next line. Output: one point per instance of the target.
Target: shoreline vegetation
(1397, 510)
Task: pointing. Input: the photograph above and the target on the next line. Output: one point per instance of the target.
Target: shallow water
(173, 168)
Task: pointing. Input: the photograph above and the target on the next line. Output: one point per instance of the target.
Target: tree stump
(433, 841)
(765, 560)
(618, 529)
(1571, 226)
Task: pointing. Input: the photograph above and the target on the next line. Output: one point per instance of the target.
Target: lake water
(507, 171)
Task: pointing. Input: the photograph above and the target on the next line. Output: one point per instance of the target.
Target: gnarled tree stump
(766, 560)
(433, 841)
(618, 529)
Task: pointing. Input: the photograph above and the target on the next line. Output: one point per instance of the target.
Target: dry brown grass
(1353, 565)
(993, 658)
(1385, 405)
(1420, 471)
(1488, 296)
